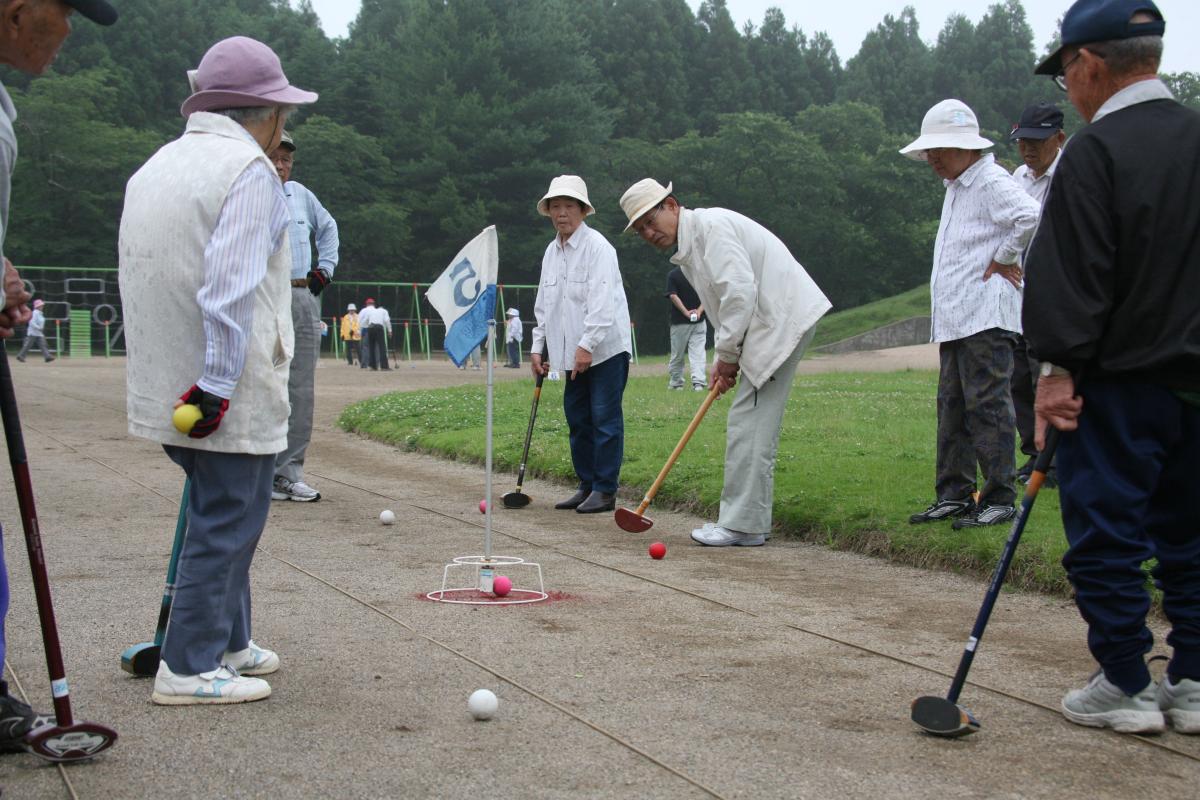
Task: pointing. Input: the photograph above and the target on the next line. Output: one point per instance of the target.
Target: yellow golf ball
(185, 417)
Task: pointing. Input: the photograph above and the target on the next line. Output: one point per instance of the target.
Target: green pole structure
(633, 338)
(336, 333)
(407, 343)
(500, 298)
(428, 344)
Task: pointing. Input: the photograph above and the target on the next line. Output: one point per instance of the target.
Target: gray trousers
(751, 440)
(687, 339)
(34, 341)
(227, 510)
(306, 319)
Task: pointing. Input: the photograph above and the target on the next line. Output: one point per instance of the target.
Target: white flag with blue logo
(465, 295)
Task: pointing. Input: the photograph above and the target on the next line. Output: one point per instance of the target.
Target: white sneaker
(1181, 703)
(300, 491)
(716, 536)
(222, 685)
(254, 660)
(708, 526)
(1102, 704)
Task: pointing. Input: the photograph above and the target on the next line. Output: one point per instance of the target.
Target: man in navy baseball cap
(1091, 21)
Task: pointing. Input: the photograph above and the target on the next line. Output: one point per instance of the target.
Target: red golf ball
(501, 586)
(483, 506)
(658, 550)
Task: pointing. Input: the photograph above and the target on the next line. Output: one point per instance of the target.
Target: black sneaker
(986, 515)
(944, 509)
(16, 720)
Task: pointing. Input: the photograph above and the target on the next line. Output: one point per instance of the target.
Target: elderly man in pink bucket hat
(204, 273)
(987, 219)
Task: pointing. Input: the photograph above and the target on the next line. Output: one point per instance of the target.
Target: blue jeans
(1129, 478)
(227, 511)
(592, 404)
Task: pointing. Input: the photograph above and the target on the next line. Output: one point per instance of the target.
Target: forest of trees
(438, 117)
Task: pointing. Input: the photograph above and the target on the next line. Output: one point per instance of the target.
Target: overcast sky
(848, 22)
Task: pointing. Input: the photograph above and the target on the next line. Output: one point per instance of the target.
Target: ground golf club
(517, 498)
(142, 659)
(636, 521)
(66, 740)
(943, 716)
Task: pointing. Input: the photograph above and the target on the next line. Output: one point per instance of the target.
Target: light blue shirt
(252, 219)
(308, 217)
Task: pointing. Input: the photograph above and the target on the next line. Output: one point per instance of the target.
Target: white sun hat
(951, 123)
(641, 197)
(566, 186)
(352, 307)
(512, 312)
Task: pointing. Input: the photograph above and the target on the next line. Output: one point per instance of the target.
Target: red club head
(632, 521)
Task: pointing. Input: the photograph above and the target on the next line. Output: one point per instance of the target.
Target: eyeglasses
(640, 229)
(1060, 77)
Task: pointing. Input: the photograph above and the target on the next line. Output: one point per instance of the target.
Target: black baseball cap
(98, 11)
(1091, 21)
(1040, 121)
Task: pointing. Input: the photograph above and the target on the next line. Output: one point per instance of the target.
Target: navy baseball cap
(1039, 121)
(98, 11)
(1091, 21)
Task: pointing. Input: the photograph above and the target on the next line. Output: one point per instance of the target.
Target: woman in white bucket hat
(987, 219)
(583, 321)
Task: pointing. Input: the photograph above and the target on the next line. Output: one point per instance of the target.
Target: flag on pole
(465, 294)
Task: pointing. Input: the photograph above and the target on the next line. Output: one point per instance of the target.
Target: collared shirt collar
(683, 242)
(576, 238)
(970, 172)
(1134, 93)
(1049, 173)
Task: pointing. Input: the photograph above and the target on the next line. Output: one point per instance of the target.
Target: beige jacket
(758, 298)
(171, 209)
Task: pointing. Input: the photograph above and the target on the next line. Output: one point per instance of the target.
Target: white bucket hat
(352, 307)
(566, 186)
(512, 312)
(951, 123)
(641, 197)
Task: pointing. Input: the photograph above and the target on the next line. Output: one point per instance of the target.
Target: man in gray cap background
(31, 33)
(1112, 308)
(204, 273)
(1039, 136)
(310, 221)
(986, 222)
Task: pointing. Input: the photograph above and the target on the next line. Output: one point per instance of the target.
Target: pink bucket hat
(240, 72)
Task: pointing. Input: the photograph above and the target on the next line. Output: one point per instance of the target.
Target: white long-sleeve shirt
(516, 331)
(235, 261)
(309, 219)
(986, 216)
(581, 301)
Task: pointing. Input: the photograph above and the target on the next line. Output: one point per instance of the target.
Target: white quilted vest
(171, 208)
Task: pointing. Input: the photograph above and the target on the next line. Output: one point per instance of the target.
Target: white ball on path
(387, 517)
(482, 704)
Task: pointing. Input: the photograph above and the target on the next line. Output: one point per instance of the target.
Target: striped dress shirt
(986, 216)
(249, 229)
(309, 217)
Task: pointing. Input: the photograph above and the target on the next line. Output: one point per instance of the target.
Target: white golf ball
(387, 517)
(482, 704)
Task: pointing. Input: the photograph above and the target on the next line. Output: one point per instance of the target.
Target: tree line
(438, 117)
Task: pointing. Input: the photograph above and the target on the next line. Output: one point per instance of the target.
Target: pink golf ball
(483, 506)
(501, 586)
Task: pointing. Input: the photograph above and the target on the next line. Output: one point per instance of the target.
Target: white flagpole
(491, 359)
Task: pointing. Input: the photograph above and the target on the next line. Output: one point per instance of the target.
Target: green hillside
(853, 321)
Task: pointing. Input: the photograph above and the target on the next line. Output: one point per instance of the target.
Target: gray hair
(1133, 56)
(253, 114)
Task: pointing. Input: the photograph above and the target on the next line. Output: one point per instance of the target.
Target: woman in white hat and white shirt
(513, 337)
(763, 307)
(583, 322)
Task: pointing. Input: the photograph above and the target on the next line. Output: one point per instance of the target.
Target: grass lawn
(851, 322)
(855, 459)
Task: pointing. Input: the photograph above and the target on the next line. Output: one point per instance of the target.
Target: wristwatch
(1053, 370)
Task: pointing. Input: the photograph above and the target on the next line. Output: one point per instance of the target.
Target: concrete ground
(777, 672)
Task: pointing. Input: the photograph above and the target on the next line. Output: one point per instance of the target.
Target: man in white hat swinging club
(764, 308)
